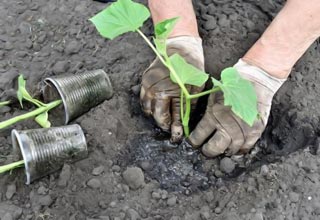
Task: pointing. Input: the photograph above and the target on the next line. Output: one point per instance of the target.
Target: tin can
(45, 150)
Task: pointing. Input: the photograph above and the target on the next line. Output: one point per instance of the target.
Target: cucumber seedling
(40, 114)
(127, 16)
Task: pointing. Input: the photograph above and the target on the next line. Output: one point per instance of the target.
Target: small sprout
(40, 114)
(23, 94)
(127, 16)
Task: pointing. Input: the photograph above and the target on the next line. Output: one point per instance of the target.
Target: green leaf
(239, 94)
(120, 17)
(187, 73)
(22, 87)
(22, 92)
(163, 29)
(42, 120)
(20, 98)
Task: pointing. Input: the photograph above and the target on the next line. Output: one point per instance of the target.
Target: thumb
(176, 126)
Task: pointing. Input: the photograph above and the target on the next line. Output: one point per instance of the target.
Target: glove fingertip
(163, 123)
(191, 140)
(176, 132)
(145, 102)
(210, 152)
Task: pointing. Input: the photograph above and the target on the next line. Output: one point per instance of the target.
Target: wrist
(287, 38)
(268, 84)
(264, 57)
(166, 9)
(265, 86)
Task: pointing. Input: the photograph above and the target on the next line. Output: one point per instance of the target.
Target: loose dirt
(132, 171)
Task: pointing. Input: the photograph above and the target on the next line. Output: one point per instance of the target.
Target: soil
(132, 171)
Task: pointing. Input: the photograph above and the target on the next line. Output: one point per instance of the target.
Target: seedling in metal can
(40, 114)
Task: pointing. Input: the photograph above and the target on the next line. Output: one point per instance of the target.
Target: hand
(230, 134)
(159, 96)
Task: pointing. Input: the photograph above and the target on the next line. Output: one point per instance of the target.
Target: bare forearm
(287, 38)
(164, 9)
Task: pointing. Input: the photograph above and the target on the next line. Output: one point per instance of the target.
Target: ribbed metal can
(46, 150)
(79, 93)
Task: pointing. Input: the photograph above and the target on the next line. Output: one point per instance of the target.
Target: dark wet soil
(278, 180)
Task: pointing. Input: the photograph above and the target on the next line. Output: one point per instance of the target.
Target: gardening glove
(159, 96)
(229, 133)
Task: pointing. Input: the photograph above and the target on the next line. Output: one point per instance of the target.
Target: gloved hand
(159, 96)
(230, 134)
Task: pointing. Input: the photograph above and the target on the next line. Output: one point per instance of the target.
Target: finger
(219, 98)
(151, 77)
(154, 74)
(217, 144)
(145, 101)
(166, 84)
(203, 130)
(252, 139)
(253, 134)
(228, 123)
(161, 111)
(161, 88)
(196, 89)
(211, 100)
(176, 127)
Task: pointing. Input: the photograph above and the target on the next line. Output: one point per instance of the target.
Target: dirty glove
(159, 96)
(230, 134)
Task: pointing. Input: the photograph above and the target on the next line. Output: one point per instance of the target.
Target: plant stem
(186, 115)
(32, 114)
(9, 167)
(152, 47)
(167, 63)
(186, 118)
(35, 102)
(4, 103)
(181, 105)
(194, 96)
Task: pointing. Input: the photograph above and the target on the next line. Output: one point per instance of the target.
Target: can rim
(61, 93)
(16, 138)
(108, 81)
(83, 136)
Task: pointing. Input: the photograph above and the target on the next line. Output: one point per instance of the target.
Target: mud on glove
(229, 133)
(159, 96)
